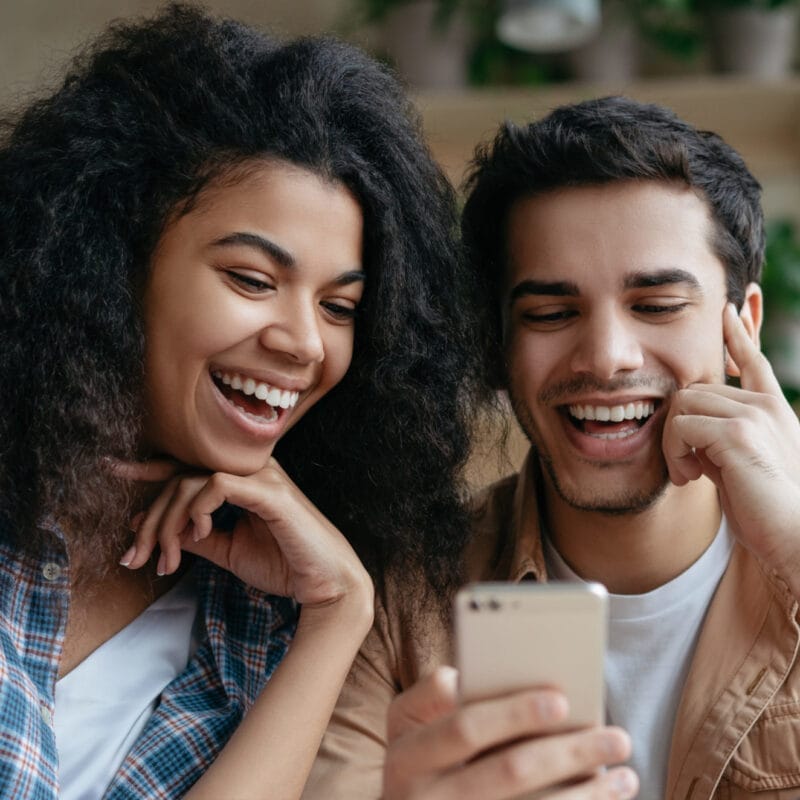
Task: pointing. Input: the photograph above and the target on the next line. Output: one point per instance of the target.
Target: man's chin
(614, 502)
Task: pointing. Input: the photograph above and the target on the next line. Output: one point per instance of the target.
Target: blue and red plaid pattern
(247, 633)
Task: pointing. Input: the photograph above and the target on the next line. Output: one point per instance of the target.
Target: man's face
(613, 300)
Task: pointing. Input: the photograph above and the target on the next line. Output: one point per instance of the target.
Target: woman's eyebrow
(351, 276)
(266, 246)
(546, 288)
(278, 254)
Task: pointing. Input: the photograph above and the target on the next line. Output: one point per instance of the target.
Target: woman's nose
(296, 332)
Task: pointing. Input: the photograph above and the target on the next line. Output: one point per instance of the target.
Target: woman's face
(248, 315)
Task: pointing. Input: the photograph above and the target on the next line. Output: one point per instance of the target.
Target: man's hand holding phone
(497, 749)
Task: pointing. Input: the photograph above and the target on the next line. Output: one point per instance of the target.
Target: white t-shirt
(651, 640)
(103, 704)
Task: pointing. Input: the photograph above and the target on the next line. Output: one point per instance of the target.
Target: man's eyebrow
(267, 247)
(547, 288)
(661, 277)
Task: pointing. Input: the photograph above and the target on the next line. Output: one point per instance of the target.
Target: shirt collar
(527, 555)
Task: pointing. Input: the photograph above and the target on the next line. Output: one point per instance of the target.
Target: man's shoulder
(491, 508)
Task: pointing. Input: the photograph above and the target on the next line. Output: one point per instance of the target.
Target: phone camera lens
(494, 604)
(474, 605)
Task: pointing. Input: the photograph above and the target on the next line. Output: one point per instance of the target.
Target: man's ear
(751, 315)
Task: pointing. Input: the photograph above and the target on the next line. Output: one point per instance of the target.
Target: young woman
(233, 323)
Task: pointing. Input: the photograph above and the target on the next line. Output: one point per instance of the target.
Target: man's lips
(617, 412)
(609, 429)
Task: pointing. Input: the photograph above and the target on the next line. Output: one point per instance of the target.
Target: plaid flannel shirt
(247, 634)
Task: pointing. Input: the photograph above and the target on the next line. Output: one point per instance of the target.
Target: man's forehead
(625, 234)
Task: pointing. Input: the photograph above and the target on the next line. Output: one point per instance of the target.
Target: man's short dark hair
(602, 141)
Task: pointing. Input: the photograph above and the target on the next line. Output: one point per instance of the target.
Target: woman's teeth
(271, 395)
(613, 413)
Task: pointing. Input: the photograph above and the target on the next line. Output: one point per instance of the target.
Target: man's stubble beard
(626, 501)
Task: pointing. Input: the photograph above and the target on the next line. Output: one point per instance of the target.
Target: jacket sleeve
(349, 764)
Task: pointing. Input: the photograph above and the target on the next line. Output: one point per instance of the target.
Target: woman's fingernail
(136, 521)
(161, 569)
(129, 555)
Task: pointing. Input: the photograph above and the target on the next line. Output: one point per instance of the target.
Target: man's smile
(611, 422)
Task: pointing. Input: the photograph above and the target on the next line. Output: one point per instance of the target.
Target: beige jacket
(737, 730)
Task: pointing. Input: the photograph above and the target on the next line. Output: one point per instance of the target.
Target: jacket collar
(507, 541)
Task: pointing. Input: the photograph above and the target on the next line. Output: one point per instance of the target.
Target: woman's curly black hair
(152, 113)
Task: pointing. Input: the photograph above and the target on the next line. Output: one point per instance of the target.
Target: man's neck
(635, 553)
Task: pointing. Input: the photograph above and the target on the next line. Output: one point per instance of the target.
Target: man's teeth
(614, 413)
(278, 398)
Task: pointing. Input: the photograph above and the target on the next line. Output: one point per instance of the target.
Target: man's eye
(659, 308)
(248, 282)
(339, 311)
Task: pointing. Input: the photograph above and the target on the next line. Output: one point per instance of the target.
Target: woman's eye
(248, 281)
(339, 311)
(549, 317)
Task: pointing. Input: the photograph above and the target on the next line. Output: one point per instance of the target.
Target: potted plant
(630, 29)
(781, 286)
(751, 37)
(428, 41)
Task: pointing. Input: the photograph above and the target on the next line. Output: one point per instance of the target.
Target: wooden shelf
(761, 120)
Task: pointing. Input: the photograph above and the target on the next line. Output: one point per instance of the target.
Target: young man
(622, 249)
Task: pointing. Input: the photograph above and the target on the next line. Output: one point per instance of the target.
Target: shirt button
(47, 716)
(51, 571)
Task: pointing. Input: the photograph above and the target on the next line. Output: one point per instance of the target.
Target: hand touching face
(747, 441)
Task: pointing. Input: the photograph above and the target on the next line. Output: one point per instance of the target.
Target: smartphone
(512, 636)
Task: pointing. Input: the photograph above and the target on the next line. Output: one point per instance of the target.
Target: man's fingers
(542, 763)
(479, 726)
(429, 699)
(755, 372)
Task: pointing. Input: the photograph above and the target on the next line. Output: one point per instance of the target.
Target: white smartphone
(516, 636)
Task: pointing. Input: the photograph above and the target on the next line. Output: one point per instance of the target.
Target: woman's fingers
(146, 537)
(281, 543)
(164, 523)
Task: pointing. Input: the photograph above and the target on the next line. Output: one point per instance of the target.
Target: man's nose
(608, 344)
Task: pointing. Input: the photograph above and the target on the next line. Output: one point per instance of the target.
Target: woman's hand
(282, 544)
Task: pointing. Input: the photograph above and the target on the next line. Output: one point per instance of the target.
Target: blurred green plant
(370, 11)
(670, 25)
(780, 284)
(780, 281)
(722, 5)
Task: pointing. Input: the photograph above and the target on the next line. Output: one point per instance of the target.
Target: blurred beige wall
(38, 36)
